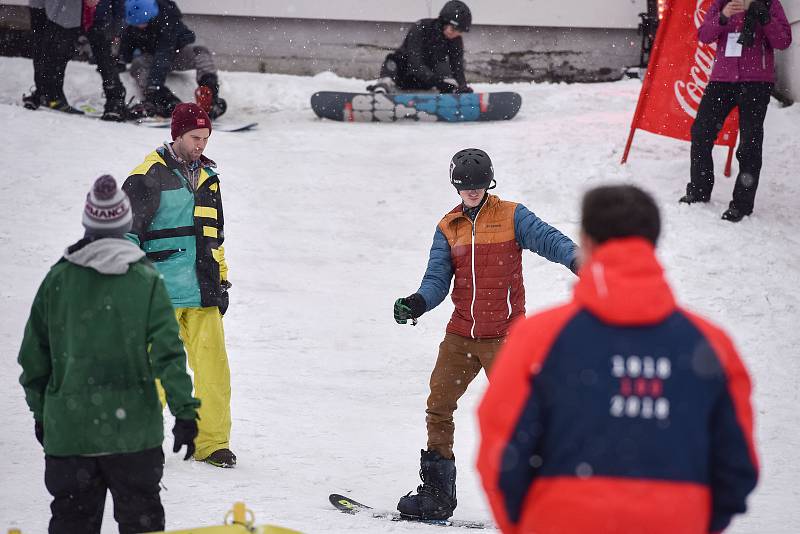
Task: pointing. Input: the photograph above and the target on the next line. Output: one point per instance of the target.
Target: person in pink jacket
(746, 33)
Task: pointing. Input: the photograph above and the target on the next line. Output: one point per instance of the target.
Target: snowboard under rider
(478, 245)
(431, 56)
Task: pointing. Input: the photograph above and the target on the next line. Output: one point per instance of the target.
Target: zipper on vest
(474, 280)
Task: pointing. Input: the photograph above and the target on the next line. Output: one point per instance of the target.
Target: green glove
(410, 307)
(402, 311)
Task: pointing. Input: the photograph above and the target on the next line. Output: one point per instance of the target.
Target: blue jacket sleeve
(534, 234)
(436, 282)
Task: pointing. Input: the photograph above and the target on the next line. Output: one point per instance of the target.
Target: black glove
(410, 307)
(446, 87)
(224, 299)
(464, 89)
(760, 11)
(185, 430)
(38, 430)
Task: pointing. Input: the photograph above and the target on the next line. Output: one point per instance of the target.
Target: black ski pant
(100, 41)
(717, 103)
(78, 485)
(397, 68)
(53, 47)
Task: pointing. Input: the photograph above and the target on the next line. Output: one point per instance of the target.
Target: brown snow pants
(459, 362)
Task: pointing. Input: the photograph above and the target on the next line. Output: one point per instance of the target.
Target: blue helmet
(140, 11)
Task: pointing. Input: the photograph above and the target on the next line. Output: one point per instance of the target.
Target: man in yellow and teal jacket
(178, 222)
(100, 333)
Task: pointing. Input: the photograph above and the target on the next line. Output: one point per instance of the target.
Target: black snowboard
(349, 506)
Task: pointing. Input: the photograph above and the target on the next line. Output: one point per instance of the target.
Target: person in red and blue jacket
(743, 75)
(618, 412)
(478, 244)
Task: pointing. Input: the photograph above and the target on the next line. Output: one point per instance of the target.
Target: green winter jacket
(101, 330)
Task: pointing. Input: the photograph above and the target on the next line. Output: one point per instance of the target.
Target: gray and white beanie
(108, 210)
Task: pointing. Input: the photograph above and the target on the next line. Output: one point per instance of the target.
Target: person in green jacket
(101, 331)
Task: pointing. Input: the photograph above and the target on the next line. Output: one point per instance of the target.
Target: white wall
(557, 13)
(554, 13)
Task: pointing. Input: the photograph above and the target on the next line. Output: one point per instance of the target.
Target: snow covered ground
(327, 224)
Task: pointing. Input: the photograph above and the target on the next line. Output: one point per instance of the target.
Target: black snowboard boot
(436, 497)
(35, 100)
(218, 105)
(159, 101)
(115, 109)
(32, 101)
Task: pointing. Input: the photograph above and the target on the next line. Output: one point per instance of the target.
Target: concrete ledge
(357, 49)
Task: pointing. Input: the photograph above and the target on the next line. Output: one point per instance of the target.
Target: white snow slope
(328, 223)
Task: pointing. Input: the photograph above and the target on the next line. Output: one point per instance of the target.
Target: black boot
(59, 103)
(221, 458)
(692, 198)
(115, 109)
(218, 105)
(32, 101)
(734, 214)
(436, 497)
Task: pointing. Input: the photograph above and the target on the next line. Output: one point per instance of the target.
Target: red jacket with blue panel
(485, 258)
(618, 412)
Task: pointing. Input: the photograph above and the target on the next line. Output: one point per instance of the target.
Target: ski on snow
(349, 506)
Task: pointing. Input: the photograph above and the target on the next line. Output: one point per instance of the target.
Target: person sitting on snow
(156, 30)
(431, 56)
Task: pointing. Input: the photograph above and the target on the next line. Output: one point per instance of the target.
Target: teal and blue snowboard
(391, 107)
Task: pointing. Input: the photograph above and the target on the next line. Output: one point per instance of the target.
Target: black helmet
(458, 14)
(471, 168)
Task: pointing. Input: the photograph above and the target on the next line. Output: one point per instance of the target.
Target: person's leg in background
(134, 481)
(718, 101)
(79, 494)
(114, 90)
(753, 100)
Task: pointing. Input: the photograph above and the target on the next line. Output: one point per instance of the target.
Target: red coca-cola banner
(678, 73)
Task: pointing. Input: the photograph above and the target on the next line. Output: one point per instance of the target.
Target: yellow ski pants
(204, 339)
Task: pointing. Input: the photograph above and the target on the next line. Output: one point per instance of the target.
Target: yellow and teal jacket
(180, 229)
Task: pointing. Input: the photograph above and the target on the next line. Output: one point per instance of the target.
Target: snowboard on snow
(94, 111)
(429, 107)
(349, 506)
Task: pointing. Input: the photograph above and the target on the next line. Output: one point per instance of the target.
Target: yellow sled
(237, 521)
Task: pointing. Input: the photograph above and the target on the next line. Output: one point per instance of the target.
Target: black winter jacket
(162, 38)
(423, 53)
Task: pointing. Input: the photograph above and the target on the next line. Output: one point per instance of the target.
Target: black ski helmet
(458, 14)
(471, 168)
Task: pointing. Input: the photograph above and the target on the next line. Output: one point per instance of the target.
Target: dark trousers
(78, 485)
(397, 68)
(53, 47)
(100, 42)
(717, 103)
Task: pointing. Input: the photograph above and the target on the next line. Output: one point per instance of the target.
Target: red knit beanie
(188, 116)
